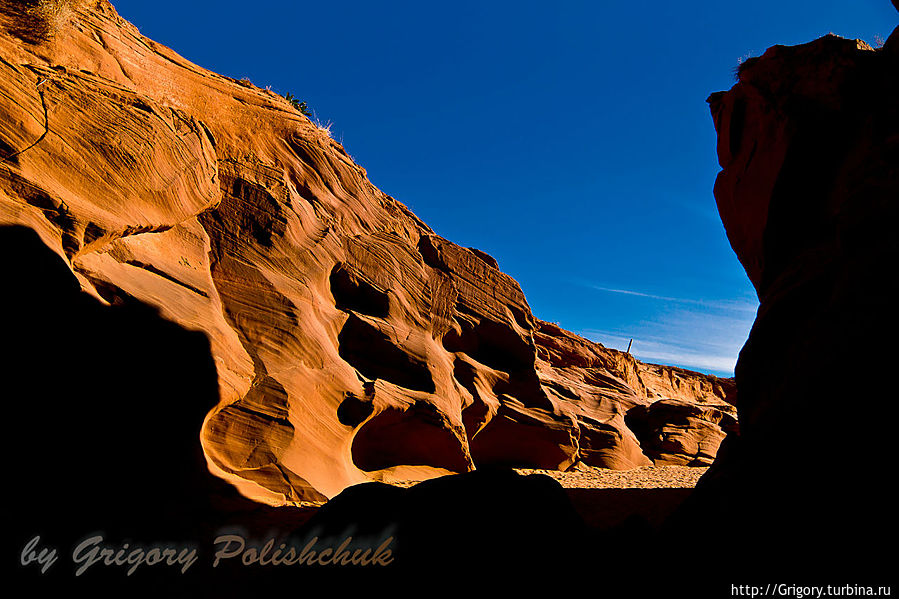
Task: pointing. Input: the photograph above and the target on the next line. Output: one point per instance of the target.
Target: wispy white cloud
(693, 333)
(736, 305)
(719, 360)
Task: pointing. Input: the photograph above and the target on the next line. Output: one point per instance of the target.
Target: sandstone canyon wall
(808, 140)
(351, 343)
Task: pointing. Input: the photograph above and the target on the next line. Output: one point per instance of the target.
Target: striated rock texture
(350, 342)
(678, 432)
(808, 140)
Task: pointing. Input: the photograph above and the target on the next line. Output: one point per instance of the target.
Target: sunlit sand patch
(588, 477)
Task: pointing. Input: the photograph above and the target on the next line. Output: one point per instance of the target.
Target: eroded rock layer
(351, 342)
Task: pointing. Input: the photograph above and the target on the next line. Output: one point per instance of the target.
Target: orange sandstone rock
(351, 343)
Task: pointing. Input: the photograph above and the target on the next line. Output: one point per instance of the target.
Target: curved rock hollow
(351, 342)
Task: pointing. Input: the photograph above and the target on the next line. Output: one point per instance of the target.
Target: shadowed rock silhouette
(103, 409)
(808, 196)
(111, 441)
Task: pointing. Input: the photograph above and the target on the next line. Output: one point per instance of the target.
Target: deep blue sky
(570, 140)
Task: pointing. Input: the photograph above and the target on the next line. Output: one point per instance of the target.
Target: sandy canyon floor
(588, 477)
(605, 497)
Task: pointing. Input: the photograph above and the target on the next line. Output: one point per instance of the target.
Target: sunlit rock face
(350, 342)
